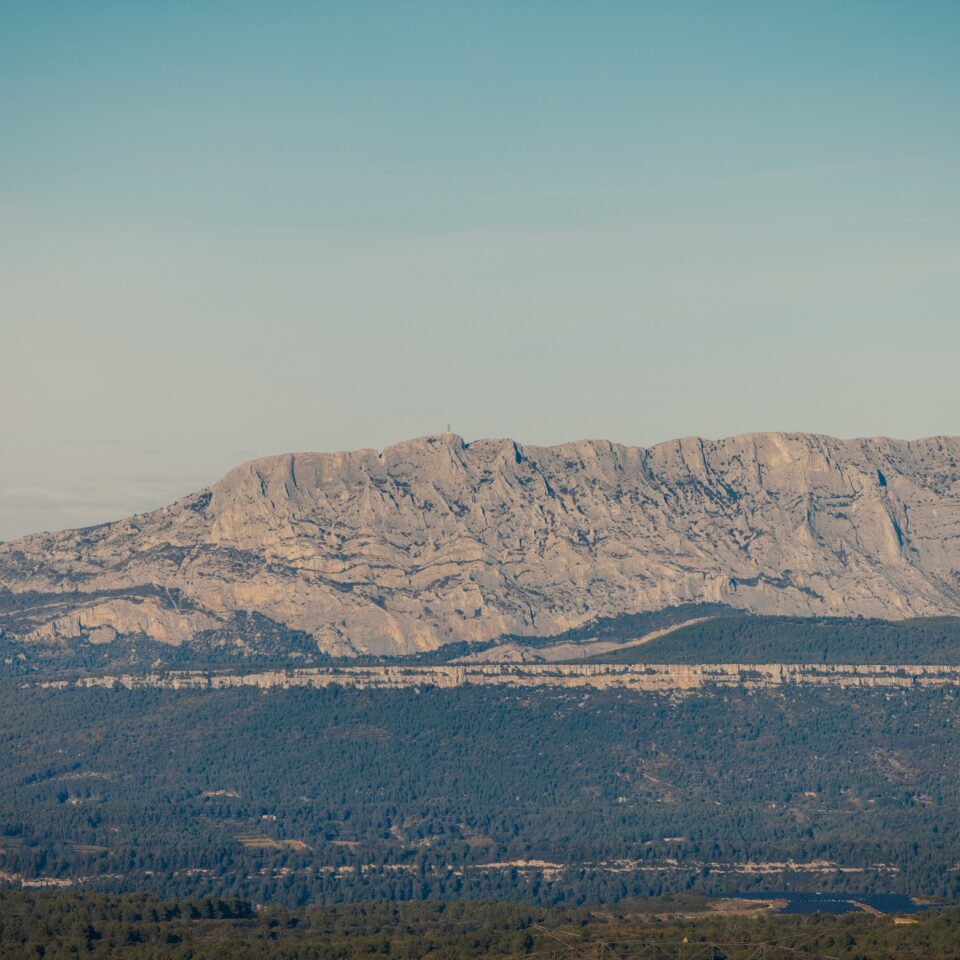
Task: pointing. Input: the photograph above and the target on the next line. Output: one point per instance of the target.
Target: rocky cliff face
(437, 540)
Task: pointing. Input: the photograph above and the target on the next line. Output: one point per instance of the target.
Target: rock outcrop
(437, 540)
(649, 678)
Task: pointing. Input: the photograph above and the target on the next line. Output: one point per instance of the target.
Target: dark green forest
(727, 635)
(743, 638)
(62, 926)
(548, 795)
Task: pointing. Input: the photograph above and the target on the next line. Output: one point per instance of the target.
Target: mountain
(436, 540)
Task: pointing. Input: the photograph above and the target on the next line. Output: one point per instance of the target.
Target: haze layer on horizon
(230, 230)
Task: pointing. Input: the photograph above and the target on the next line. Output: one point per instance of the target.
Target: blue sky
(231, 229)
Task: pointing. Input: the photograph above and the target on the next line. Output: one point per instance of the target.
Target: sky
(234, 229)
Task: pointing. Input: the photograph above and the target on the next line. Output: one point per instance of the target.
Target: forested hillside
(741, 638)
(691, 633)
(551, 795)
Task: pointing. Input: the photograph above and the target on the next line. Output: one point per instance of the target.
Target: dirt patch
(258, 843)
(298, 845)
(351, 845)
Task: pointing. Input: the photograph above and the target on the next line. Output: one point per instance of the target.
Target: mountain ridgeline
(437, 542)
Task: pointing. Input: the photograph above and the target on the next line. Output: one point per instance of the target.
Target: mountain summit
(436, 540)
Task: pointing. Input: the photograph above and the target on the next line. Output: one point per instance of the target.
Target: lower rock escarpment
(657, 678)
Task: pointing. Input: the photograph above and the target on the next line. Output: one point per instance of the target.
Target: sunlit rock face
(436, 540)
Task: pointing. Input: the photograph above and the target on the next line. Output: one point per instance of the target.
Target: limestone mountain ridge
(436, 540)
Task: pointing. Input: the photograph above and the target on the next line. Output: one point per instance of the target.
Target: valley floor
(58, 926)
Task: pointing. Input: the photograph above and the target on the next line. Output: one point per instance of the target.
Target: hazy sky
(234, 229)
